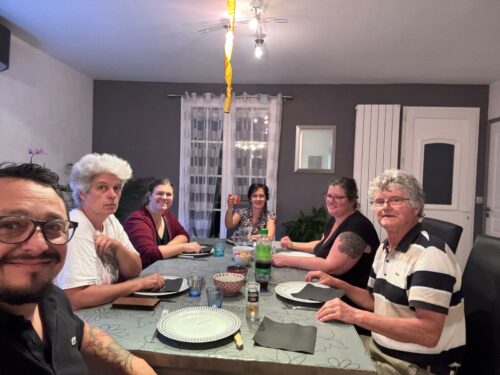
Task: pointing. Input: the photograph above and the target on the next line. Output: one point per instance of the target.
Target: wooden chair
(448, 232)
(481, 291)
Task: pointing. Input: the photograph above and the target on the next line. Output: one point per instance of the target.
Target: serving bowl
(243, 249)
(242, 259)
(237, 269)
(230, 283)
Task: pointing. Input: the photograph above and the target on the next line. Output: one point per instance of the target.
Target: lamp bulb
(258, 51)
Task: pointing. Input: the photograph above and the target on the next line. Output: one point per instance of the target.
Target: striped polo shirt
(421, 272)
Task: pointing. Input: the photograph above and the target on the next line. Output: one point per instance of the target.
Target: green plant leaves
(308, 227)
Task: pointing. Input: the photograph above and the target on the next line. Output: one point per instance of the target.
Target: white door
(492, 218)
(439, 147)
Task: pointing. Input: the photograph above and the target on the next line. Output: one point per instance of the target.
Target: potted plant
(308, 227)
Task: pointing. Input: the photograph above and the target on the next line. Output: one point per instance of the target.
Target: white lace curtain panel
(201, 143)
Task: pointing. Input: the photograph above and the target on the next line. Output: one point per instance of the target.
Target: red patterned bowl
(230, 283)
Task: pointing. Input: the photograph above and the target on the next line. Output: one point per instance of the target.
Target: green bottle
(263, 258)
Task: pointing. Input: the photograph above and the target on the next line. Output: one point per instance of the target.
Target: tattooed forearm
(104, 347)
(351, 244)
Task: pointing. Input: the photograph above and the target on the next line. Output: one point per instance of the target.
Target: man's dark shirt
(23, 352)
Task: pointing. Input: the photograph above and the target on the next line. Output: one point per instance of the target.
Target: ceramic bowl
(242, 249)
(241, 270)
(230, 283)
(242, 259)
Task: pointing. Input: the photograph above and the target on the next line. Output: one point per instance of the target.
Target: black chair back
(448, 232)
(481, 291)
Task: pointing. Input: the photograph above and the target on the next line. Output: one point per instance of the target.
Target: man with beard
(39, 332)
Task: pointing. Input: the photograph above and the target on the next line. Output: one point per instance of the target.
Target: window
(222, 154)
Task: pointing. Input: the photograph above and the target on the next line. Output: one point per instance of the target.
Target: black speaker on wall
(4, 48)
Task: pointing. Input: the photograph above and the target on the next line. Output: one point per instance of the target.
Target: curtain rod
(285, 97)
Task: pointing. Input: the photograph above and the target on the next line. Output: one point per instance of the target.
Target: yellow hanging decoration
(228, 51)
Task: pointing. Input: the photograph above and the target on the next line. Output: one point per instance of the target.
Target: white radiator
(376, 148)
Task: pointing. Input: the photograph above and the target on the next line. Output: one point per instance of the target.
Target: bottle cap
(263, 231)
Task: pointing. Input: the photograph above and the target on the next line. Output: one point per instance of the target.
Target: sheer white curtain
(225, 153)
(201, 143)
(251, 147)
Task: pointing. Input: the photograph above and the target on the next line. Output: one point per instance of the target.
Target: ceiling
(323, 42)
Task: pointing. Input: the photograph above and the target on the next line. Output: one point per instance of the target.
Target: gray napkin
(287, 336)
(171, 285)
(316, 293)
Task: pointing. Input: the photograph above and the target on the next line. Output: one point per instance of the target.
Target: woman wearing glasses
(100, 251)
(349, 241)
(154, 230)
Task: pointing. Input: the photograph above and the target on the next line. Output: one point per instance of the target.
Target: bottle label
(253, 296)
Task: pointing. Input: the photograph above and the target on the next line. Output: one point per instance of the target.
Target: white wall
(44, 104)
(494, 104)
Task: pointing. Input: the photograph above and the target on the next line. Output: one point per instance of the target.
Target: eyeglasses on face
(19, 229)
(392, 201)
(335, 198)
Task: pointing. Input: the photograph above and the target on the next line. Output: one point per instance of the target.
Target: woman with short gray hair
(100, 251)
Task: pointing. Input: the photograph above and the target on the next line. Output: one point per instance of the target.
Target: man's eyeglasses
(335, 198)
(392, 201)
(18, 229)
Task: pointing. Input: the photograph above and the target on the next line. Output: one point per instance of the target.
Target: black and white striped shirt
(421, 272)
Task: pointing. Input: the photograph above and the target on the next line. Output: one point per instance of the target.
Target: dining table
(338, 348)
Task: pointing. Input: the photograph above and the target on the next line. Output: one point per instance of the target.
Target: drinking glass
(214, 297)
(219, 248)
(195, 283)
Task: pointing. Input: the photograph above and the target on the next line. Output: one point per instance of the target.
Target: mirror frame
(327, 152)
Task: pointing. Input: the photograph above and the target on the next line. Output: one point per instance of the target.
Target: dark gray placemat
(287, 336)
(316, 293)
(171, 285)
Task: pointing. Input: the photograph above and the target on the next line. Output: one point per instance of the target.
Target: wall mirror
(315, 148)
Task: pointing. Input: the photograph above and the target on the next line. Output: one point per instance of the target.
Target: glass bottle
(263, 258)
(253, 289)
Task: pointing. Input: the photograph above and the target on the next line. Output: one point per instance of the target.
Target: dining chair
(481, 292)
(448, 232)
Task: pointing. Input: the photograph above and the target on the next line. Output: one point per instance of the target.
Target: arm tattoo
(104, 347)
(351, 244)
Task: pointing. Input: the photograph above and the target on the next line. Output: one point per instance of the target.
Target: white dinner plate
(297, 254)
(196, 255)
(198, 324)
(285, 290)
(184, 286)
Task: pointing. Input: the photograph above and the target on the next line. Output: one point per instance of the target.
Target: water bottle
(263, 258)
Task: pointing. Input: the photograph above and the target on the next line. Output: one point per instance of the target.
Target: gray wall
(137, 121)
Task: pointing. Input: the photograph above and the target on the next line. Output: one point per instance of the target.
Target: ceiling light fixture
(256, 25)
(259, 48)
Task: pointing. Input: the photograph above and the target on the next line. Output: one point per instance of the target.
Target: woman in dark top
(154, 230)
(349, 242)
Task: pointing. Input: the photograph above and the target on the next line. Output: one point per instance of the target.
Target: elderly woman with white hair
(100, 251)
